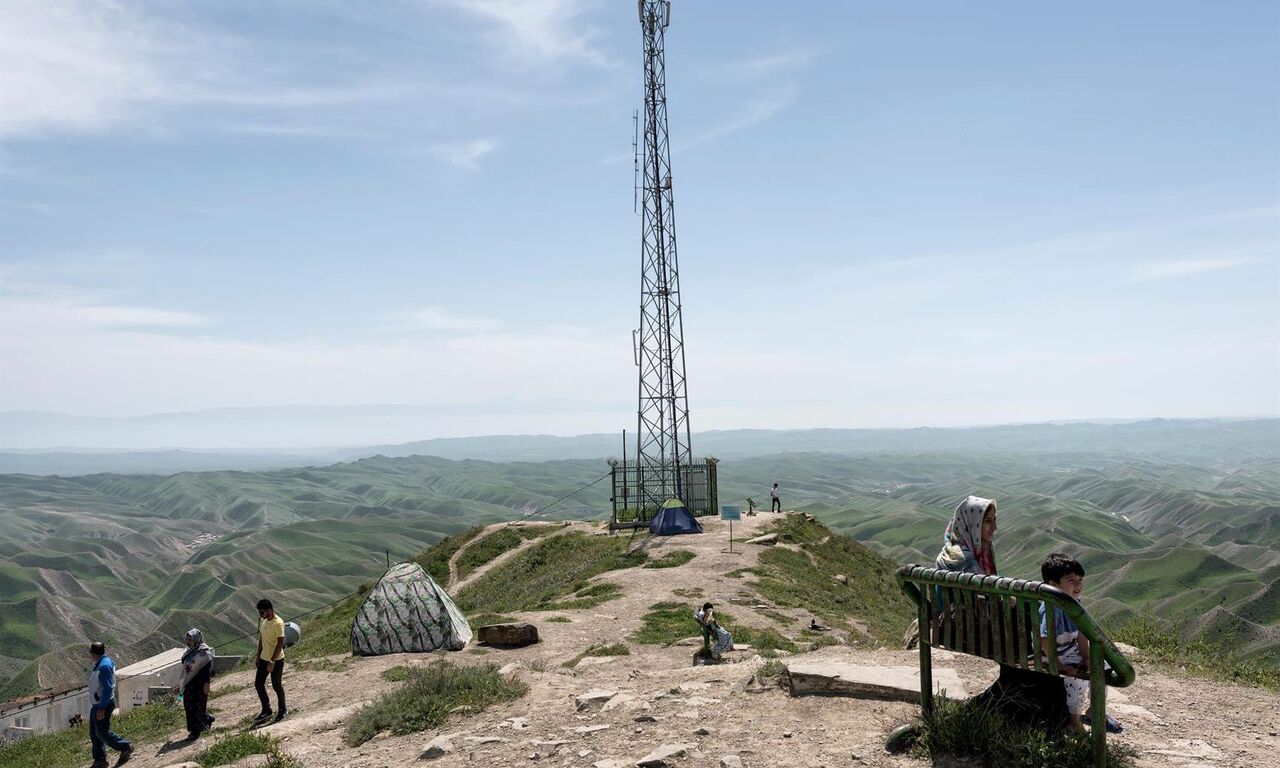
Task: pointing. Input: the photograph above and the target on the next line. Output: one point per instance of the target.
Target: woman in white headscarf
(967, 544)
(197, 672)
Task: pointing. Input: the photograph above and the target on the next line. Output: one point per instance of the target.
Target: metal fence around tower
(638, 491)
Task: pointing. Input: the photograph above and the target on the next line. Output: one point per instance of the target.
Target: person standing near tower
(776, 504)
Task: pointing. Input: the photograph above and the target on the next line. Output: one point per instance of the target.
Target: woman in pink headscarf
(967, 544)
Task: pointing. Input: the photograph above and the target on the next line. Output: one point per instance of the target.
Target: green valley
(1186, 528)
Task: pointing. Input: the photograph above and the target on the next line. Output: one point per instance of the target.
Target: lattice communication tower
(663, 465)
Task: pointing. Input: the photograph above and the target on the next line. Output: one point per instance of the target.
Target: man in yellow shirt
(270, 661)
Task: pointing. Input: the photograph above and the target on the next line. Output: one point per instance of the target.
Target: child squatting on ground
(1066, 574)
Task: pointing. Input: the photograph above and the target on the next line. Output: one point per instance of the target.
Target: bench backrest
(998, 618)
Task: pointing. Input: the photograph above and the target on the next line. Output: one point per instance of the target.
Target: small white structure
(134, 682)
(51, 711)
(45, 712)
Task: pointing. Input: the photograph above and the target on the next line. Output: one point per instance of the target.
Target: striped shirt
(1068, 635)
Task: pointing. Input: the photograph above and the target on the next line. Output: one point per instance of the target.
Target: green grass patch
(396, 674)
(229, 749)
(427, 697)
(587, 597)
(1200, 657)
(760, 639)
(775, 616)
(329, 632)
(773, 671)
(25, 682)
(497, 543)
(794, 579)
(666, 623)
(552, 574)
(962, 729)
(485, 619)
(669, 622)
(435, 560)
(599, 649)
(738, 573)
(819, 639)
(558, 619)
(70, 748)
(673, 559)
(226, 690)
(320, 664)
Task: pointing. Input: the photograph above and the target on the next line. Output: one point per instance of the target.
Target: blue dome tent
(674, 517)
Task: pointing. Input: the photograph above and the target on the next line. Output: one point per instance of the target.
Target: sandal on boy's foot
(283, 714)
(124, 756)
(263, 717)
(1112, 725)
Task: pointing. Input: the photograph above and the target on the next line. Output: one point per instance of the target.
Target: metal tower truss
(662, 418)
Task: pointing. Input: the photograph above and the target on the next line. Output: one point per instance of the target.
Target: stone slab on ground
(830, 678)
(437, 747)
(592, 700)
(509, 635)
(663, 756)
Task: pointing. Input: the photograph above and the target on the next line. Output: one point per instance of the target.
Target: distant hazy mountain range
(1201, 439)
(1179, 516)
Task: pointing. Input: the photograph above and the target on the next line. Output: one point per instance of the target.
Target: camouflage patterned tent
(407, 612)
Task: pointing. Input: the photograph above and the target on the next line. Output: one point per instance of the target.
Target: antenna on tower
(635, 161)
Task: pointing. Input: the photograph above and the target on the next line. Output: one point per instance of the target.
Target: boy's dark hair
(97, 648)
(1058, 565)
(265, 604)
(706, 606)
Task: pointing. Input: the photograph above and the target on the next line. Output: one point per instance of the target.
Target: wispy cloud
(764, 64)
(1162, 270)
(545, 30)
(434, 318)
(118, 316)
(75, 66)
(76, 310)
(72, 65)
(463, 154)
(755, 112)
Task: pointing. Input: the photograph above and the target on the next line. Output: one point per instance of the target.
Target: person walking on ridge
(197, 672)
(270, 662)
(102, 702)
(776, 504)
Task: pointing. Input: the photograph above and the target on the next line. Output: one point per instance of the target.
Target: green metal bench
(998, 618)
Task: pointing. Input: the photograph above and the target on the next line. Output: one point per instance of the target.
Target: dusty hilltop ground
(713, 712)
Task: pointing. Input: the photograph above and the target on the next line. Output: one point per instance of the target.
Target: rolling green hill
(1196, 544)
(136, 560)
(1188, 528)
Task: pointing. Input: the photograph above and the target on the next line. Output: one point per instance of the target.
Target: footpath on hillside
(613, 711)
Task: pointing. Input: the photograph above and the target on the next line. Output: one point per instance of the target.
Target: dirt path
(1171, 722)
(455, 586)
(453, 559)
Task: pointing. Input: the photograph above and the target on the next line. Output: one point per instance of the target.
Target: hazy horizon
(272, 429)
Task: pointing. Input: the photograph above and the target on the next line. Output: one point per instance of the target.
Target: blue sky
(887, 215)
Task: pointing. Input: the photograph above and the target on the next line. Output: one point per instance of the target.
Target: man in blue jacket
(102, 702)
